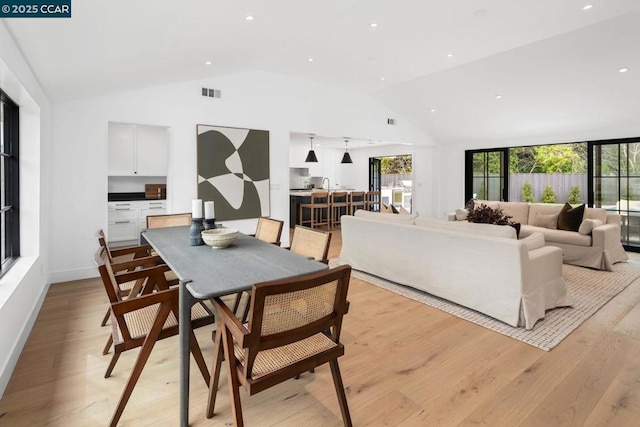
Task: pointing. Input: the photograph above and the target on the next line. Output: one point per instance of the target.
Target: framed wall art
(233, 171)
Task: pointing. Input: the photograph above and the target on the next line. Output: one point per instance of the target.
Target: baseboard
(75, 274)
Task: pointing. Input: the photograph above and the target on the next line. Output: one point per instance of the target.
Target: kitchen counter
(299, 197)
(307, 193)
(128, 197)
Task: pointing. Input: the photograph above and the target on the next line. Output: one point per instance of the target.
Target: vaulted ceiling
(440, 64)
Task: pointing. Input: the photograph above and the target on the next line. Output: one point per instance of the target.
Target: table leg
(186, 302)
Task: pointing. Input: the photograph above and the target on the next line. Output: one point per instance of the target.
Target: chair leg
(236, 304)
(105, 319)
(107, 346)
(215, 376)
(232, 377)
(197, 355)
(141, 360)
(112, 364)
(342, 397)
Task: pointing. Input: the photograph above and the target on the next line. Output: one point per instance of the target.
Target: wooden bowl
(219, 238)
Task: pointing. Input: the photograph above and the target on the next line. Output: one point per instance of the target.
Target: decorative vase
(209, 224)
(195, 236)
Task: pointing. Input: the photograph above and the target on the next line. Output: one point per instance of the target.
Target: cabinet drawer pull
(155, 203)
(122, 222)
(156, 207)
(123, 209)
(123, 204)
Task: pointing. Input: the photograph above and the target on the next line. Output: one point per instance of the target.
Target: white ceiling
(511, 46)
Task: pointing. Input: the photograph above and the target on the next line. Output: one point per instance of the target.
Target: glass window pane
(609, 160)
(479, 164)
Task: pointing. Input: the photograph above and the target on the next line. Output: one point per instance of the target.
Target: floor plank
(405, 364)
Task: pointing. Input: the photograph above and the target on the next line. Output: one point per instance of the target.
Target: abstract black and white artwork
(233, 171)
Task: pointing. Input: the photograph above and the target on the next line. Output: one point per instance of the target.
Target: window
(9, 183)
(486, 177)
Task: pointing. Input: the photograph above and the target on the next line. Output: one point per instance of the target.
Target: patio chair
(294, 326)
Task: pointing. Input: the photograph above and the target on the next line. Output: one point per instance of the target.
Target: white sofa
(479, 266)
(599, 247)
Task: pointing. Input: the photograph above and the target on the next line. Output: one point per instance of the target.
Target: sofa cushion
(489, 203)
(386, 209)
(403, 211)
(534, 241)
(385, 217)
(461, 214)
(547, 221)
(557, 236)
(588, 225)
(518, 211)
(542, 208)
(570, 218)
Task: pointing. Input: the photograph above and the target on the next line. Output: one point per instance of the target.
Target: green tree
(574, 195)
(481, 191)
(396, 165)
(527, 193)
(549, 196)
(556, 158)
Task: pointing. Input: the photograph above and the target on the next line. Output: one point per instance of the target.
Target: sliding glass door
(486, 174)
(615, 168)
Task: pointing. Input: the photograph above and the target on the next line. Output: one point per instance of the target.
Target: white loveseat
(476, 265)
(598, 247)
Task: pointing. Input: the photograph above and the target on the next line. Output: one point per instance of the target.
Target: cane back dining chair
(294, 326)
(311, 243)
(168, 220)
(144, 318)
(269, 230)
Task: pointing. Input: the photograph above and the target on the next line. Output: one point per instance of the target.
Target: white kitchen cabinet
(137, 150)
(126, 220)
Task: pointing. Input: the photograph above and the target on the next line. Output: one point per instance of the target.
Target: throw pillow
(461, 214)
(534, 241)
(570, 218)
(386, 209)
(394, 210)
(403, 211)
(546, 221)
(588, 225)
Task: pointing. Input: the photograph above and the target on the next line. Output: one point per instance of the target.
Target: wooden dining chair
(144, 318)
(294, 326)
(269, 230)
(311, 243)
(127, 254)
(168, 220)
(319, 210)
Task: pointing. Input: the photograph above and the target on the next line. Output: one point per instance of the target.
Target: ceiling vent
(391, 122)
(211, 93)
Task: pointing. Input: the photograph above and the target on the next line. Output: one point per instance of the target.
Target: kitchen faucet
(328, 183)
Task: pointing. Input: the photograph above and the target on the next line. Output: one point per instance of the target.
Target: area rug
(591, 289)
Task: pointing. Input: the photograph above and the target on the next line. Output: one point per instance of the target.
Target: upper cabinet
(138, 150)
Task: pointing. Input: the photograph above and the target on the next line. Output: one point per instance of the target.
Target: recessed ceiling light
(382, 79)
(373, 25)
(587, 6)
(207, 63)
(623, 70)
(449, 55)
(249, 18)
(498, 96)
(310, 59)
(317, 144)
(433, 110)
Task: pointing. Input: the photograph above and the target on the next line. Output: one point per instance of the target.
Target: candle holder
(195, 236)
(209, 223)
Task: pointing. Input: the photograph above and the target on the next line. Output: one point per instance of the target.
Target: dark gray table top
(217, 272)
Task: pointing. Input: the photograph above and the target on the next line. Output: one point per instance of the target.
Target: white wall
(23, 288)
(255, 100)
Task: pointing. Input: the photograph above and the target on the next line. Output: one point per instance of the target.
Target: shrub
(574, 195)
(527, 193)
(549, 196)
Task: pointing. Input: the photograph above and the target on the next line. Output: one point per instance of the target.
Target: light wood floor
(406, 364)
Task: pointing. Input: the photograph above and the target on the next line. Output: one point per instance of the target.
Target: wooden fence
(560, 182)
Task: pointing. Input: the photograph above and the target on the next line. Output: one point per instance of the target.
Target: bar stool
(372, 201)
(356, 201)
(339, 206)
(320, 213)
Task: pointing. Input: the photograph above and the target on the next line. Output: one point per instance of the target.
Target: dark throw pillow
(570, 218)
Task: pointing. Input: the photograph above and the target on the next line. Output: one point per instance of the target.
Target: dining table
(205, 272)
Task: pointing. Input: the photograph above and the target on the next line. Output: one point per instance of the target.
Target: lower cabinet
(126, 220)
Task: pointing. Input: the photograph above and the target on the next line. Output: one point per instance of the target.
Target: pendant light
(346, 158)
(311, 156)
